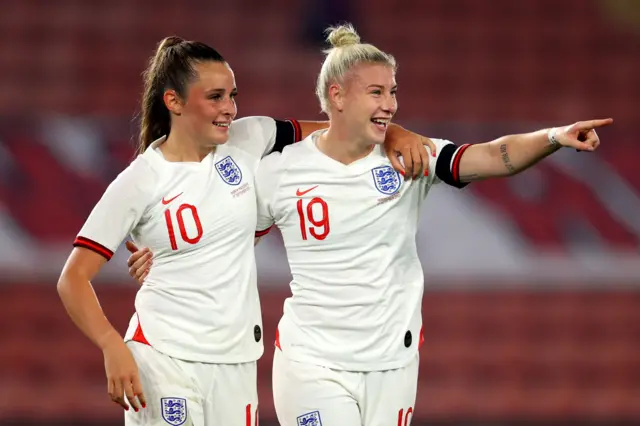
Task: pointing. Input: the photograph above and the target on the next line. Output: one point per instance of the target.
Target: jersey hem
(208, 359)
(347, 366)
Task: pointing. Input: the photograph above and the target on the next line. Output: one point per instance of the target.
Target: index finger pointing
(592, 124)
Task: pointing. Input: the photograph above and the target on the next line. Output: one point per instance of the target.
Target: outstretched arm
(509, 155)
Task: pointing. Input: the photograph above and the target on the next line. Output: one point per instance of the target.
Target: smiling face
(209, 107)
(367, 100)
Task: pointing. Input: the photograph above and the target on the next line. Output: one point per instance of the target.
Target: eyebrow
(380, 86)
(220, 91)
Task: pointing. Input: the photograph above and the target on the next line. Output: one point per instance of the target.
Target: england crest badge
(174, 410)
(310, 419)
(229, 171)
(386, 179)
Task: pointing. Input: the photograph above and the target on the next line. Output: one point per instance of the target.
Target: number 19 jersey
(349, 233)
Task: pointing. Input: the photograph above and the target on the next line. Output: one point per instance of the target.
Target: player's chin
(377, 134)
(219, 136)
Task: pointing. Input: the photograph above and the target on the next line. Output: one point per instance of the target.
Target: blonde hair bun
(343, 35)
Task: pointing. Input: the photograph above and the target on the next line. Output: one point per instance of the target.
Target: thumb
(131, 246)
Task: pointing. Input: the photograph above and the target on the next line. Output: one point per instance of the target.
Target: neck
(343, 145)
(182, 147)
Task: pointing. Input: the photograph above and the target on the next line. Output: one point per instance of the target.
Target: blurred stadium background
(532, 303)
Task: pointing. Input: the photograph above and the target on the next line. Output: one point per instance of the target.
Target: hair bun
(343, 35)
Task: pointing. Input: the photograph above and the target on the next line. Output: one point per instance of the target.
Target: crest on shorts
(174, 410)
(229, 171)
(310, 419)
(386, 179)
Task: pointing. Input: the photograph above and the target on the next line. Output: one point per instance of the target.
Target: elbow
(63, 285)
(67, 283)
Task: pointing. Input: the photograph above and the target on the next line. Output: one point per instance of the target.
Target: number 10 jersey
(200, 299)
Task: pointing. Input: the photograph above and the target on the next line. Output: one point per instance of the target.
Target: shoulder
(142, 170)
(136, 184)
(251, 127)
(441, 143)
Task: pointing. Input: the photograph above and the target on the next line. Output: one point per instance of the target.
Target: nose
(229, 108)
(390, 104)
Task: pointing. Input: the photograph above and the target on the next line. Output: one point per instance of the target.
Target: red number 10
(322, 222)
(183, 229)
(407, 419)
(248, 415)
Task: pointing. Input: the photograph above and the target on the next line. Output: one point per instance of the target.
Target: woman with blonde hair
(347, 344)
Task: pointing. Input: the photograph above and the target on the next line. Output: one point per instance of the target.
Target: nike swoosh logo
(301, 193)
(165, 202)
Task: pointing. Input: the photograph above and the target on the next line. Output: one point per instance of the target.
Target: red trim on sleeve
(263, 233)
(93, 246)
(455, 168)
(297, 130)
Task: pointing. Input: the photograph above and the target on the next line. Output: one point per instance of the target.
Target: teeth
(380, 121)
(222, 124)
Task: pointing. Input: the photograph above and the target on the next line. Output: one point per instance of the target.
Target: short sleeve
(259, 136)
(119, 210)
(267, 179)
(446, 164)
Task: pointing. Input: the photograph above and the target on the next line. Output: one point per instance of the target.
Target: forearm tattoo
(505, 158)
(469, 178)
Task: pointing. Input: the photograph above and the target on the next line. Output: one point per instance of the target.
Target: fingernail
(402, 173)
(433, 154)
(426, 172)
(126, 408)
(135, 409)
(144, 405)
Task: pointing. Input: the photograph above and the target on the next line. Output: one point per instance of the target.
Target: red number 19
(318, 223)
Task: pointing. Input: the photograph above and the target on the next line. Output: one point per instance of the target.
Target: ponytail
(170, 68)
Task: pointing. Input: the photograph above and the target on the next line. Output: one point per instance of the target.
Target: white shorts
(310, 395)
(193, 393)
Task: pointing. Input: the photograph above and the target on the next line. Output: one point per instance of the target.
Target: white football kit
(354, 319)
(199, 304)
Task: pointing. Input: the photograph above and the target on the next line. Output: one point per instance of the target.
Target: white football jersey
(200, 299)
(349, 232)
